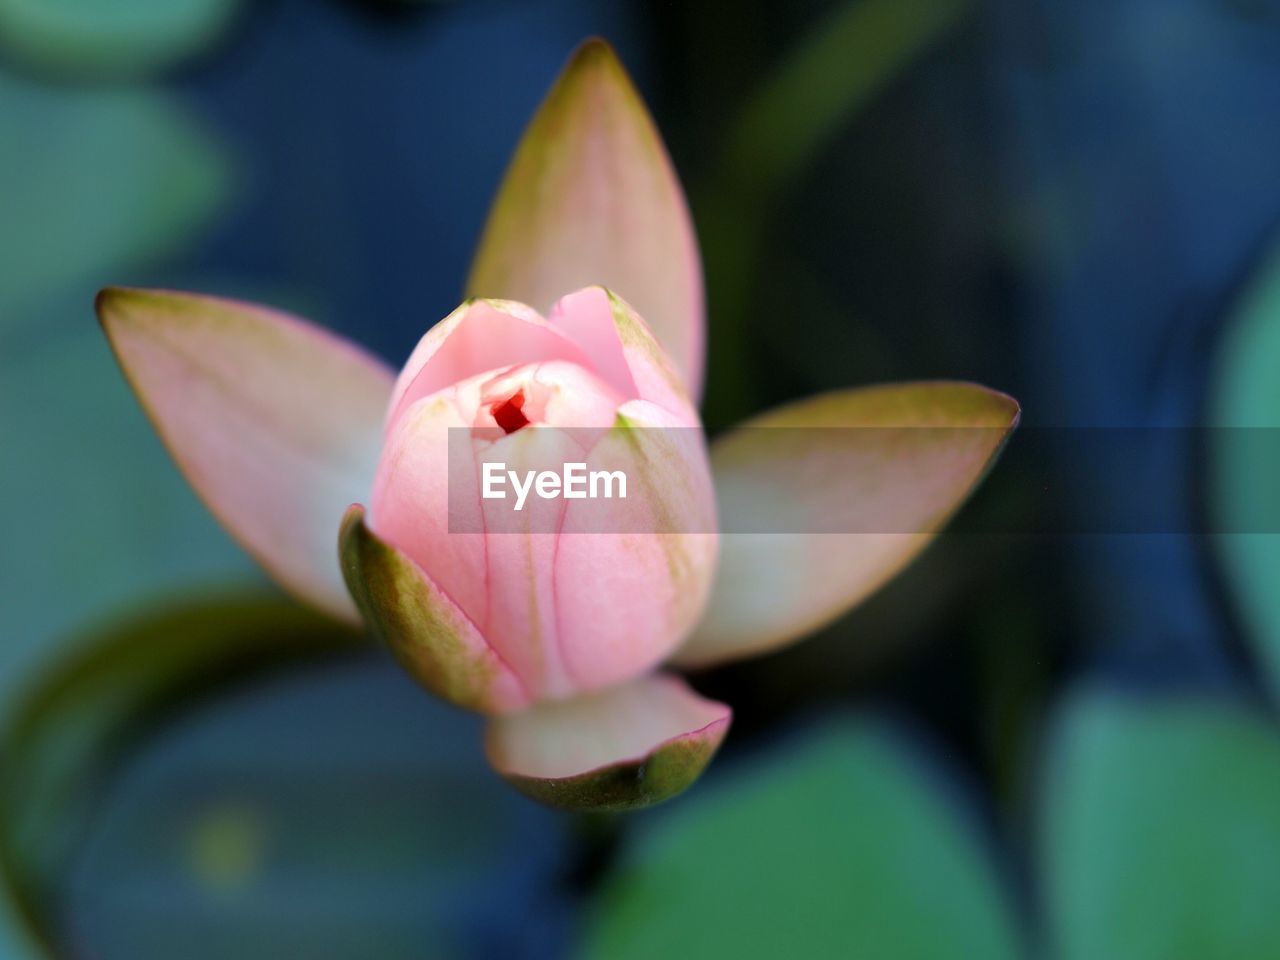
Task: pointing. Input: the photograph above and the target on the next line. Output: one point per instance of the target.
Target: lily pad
(836, 846)
(1161, 832)
(1245, 463)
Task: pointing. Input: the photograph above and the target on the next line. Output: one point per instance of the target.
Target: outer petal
(892, 476)
(275, 422)
(632, 576)
(623, 748)
(591, 198)
(434, 640)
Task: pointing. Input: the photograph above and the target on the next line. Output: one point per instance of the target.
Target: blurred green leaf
(95, 181)
(111, 37)
(241, 777)
(1161, 832)
(63, 737)
(830, 75)
(17, 940)
(1245, 463)
(839, 847)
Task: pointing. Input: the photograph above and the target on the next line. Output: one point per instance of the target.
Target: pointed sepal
(591, 198)
(431, 637)
(275, 422)
(847, 487)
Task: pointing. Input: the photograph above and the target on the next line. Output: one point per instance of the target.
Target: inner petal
(478, 338)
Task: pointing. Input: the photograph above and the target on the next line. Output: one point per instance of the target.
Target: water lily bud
(552, 613)
(556, 595)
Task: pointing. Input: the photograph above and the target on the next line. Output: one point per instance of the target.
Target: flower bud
(568, 594)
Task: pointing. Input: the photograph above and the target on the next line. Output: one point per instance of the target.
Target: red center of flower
(508, 413)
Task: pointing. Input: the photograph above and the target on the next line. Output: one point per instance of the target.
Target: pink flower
(298, 440)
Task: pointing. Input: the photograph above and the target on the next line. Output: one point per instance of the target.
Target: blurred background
(1025, 746)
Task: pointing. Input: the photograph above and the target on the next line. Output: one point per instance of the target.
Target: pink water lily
(298, 440)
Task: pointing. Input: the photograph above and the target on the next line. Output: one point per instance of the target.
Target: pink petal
(623, 349)
(275, 422)
(625, 747)
(632, 576)
(591, 198)
(896, 480)
(586, 317)
(410, 503)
